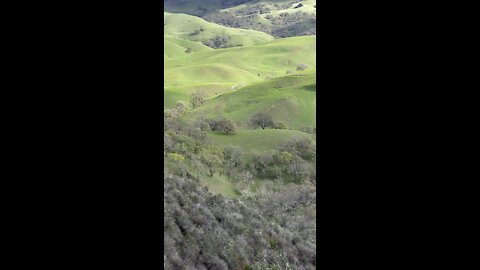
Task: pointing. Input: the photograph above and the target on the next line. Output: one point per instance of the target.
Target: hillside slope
(219, 71)
(281, 18)
(176, 47)
(290, 99)
(192, 28)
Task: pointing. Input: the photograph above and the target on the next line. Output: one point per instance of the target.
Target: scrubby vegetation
(190, 153)
(207, 231)
(262, 230)
(278, 18)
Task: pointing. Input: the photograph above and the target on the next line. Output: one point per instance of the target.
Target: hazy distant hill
(282, 18)
(200, 7)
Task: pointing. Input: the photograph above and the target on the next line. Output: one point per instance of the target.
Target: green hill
(219, 71)
(290, 99)
(175, 47)
(192, 28)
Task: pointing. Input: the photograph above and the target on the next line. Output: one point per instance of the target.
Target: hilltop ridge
(280, 18)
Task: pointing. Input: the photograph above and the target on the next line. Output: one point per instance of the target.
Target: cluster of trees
(304, 27)
(219, 41)
(189, 153)
(286, 24)
(271, 230)
(263, 121)
(205, 231)
(222, 124)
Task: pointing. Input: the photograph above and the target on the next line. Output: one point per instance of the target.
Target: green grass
(182, 93)
(290, 99)
(217, 71)
(220, 185)
(259, 140)
(187, 27)
(242, 64)
(175, 47)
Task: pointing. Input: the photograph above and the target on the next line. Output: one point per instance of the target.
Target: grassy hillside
(289, 99)
(176, 47)
(219, 71)
(258, 140)
(192, 28)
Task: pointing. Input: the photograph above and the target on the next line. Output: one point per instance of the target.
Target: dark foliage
(286, 25)
(206, 231)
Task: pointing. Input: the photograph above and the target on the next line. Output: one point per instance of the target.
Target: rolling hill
(219, 71)
(281, 18)
(192, 28)
(176, 47)
(289, 99)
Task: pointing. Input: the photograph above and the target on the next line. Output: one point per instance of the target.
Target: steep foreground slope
(204, 231)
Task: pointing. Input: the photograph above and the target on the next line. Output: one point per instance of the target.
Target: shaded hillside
(281, 18)
(200, 7)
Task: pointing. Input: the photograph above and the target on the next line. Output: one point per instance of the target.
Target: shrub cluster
(293, 161)
(205, 231)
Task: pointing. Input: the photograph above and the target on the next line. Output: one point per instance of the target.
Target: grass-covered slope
(221, 70)
(196, 29)
(290, 99)
(176, 47)
(258, 140)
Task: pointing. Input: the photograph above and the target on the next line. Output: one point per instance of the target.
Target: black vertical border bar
(161, 118)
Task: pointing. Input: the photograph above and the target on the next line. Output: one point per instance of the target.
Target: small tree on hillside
(302, 67)
(226, 126)
(262, 120)
(198, 98)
